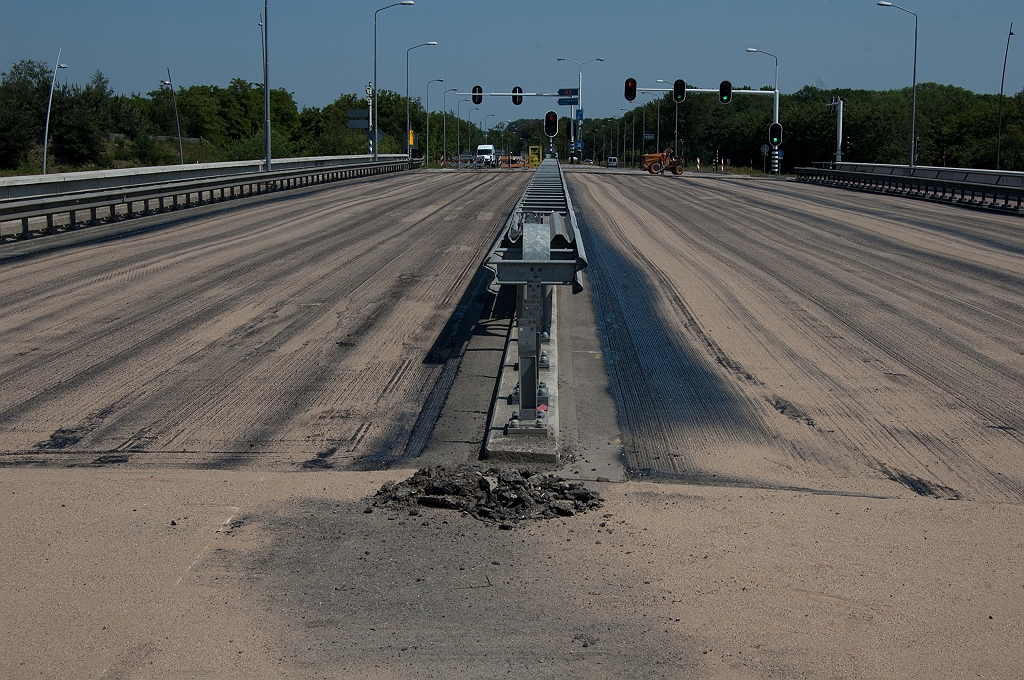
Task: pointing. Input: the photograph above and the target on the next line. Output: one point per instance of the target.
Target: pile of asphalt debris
(504, 497)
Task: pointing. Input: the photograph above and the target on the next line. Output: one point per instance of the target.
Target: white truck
(486, 156)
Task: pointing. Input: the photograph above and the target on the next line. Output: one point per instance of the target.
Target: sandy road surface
(780, 335)
(249, 568)
(301, 329)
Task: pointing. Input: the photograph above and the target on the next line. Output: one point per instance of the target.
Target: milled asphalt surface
(824, 384)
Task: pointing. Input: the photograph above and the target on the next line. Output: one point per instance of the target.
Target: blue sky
(321, 48)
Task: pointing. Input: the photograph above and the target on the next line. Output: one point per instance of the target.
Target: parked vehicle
(612, 162)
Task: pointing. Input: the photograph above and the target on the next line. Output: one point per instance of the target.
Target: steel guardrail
(546, 197)
(40, 186)
(540, 247)
(971, 193)
(205, 191)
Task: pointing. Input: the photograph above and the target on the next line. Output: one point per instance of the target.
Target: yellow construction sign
(535, 156)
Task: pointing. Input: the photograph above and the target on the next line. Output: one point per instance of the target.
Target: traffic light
(725, 92)
(517, 95)
(775, 134)
(568, 128)
(478, 94)
(630, 89)
(679, 91)
(551, 124)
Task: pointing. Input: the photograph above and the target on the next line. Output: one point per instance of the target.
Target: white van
(486, 155)
(613, 162)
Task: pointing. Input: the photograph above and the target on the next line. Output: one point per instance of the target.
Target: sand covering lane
(274, 331)
(767, 334)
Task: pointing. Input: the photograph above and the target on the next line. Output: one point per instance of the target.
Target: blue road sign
(579, 114)
(781, 153)
(569, 92)
(568, 101)
(579, 145)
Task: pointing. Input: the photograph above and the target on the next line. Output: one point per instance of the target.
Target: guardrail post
(24, 228)
(49, 224)
(531, 309)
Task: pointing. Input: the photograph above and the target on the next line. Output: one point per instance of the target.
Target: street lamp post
(177, 123)
(444, 121)
(999, 134)
(266, 90)
(504, 143)
(486, 136)
(913, 109)
(775, 106)
(376, 135)
(623, 136)
(46, 130)
(469, 127)
(427, 106)
(657, 144)
(580, 96)
(458, 129)
(632, 127)
(408, 142)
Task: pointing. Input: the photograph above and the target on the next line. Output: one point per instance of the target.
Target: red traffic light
(630, 89)
(551, 124)
(478, 94)
(517, 95)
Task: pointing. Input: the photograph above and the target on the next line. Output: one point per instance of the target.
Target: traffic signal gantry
(516, 94)
(725, 92)
(566, 97)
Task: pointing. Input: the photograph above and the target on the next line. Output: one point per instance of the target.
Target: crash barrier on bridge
(539, 248)
(982, 188)
(30, 186)
(176, 195)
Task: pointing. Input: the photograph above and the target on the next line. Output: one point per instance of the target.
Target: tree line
(955, 128)
(92, 127)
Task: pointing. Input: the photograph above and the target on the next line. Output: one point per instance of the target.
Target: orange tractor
(654, 163)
